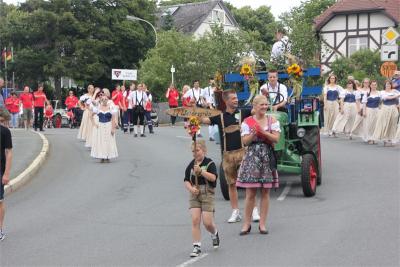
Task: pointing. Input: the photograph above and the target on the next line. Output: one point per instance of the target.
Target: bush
(362, 64)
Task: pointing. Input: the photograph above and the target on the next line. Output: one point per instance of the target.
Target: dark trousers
(147, 114)
(130, 120)
(136, 116)
(173, 118)
(39, 118)
(125, 120)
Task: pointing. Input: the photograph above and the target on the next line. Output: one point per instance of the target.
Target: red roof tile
(390, 7)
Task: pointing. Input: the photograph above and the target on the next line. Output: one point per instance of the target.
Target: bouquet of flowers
(295, 73)
(193, 126)
(247, 70)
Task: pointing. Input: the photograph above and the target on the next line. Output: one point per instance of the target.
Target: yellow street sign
(390, 35)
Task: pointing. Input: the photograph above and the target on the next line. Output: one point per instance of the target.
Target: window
(357, 43)
(218, 16)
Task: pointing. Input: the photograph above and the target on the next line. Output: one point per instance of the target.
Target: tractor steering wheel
(280, 97)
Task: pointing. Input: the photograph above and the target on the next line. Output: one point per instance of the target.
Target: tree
(168, 21)
(259, 20)
(81, 39)
(299, 22)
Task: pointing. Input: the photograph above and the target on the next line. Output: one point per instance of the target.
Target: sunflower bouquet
(193, 126)
(247, 71)
(296, 74)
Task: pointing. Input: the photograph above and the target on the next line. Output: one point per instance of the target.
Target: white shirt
(195, 94)
(245, 128)
(372, 95)
(268, 88)
(279, 48)
(138, 97)
(385, 95)
(130, 102)
(208, 94)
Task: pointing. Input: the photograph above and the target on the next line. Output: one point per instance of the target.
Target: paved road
(26, 146)
(133, 211)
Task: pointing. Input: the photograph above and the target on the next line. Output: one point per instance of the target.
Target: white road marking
(191, 261)
(184, 137)
(285, 192)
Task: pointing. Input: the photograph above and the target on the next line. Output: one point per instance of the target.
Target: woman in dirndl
(85, 101)
(258, 168)
(358, 125)
(388, 115)
(348, 111)
(331, 93)
(104, 146)
(371, 108)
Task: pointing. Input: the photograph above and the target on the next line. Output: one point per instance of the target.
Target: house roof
(188, 17)
(389, 7)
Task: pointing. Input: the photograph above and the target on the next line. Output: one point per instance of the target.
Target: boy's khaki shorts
(230, 163)
(204, 200)
(27, 114)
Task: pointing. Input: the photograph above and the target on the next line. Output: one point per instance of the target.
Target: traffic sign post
(389, 53)
(172, 73)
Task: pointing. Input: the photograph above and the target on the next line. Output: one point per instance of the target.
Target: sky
(277, 6)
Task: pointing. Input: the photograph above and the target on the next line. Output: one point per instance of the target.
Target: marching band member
(386, 125)
(139, 99)
(85, 101)
(104, 146)
(348, 110)
(358, 126)
(148, 108)
(331, 93)
(370, 112)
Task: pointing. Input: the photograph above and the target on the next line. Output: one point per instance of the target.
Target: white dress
(344, 121)
(388, 115)
(104, 145)
(83, 129)
(331, 107)
(372, 102)
(358, 125)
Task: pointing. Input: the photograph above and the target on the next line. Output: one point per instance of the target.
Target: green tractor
(299, 148)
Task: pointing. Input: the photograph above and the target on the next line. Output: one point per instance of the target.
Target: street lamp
(132, 18)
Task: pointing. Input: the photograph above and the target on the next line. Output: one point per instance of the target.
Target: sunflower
(246, 70)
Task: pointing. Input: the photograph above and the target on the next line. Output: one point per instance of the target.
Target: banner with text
(124, 75)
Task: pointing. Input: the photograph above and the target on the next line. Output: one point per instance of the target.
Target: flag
(7, 55)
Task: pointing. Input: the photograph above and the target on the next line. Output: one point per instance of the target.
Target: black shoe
(263, 232)
(215, 241)
(142, 135)
(41, 130)
(211, 139)
(245, 232)
(196, 251)
(135, 135)
(200, 135)
(35, 129)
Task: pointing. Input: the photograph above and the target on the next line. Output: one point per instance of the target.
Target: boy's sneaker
(2, 236)
(196, 251)
(255, 216)
(235, 217)
(215, 240)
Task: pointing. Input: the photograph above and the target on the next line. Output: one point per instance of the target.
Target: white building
(352, 25)
(197, 18)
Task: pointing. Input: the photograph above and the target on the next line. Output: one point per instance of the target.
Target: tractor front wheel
(223, 183)
(309, 173)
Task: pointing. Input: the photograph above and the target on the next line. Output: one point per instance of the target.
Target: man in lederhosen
(232, 147)
(139, 99)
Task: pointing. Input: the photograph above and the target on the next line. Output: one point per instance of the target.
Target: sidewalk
(29, 152)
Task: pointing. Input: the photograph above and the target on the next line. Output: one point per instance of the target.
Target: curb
(27, 174)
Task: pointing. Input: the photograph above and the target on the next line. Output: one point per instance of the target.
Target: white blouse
(245, 128)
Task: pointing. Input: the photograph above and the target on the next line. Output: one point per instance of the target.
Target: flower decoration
(295, 71)
(246, 70)
(193, 126)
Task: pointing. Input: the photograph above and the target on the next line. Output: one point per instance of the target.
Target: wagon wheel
(309, 175)
(223, 184)
(57, 121)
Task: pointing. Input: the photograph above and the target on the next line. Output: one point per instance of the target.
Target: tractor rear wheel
(223, 184)
(309, 175)
(319, 176)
